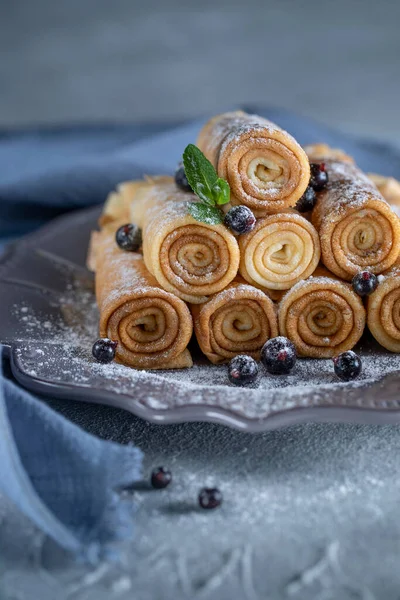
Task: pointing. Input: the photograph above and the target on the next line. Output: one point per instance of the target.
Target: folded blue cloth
(61, 477)
(58, 475)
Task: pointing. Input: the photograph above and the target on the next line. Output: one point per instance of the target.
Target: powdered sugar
(60, 353)
(348, 189)
(223, 139)
(320, 280)
(167, 208)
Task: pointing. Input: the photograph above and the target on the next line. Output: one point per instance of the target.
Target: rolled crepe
(266, 168)
(322, 316)
(190, 259)
(357, 227)
(118, 204)
(280, 251)
(320, 152)
(383, 310)
(389, 187)
(238, 320)
(152, 326)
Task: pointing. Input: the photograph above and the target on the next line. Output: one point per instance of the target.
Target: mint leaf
(205, 213)
(200, 173)
(221, 191)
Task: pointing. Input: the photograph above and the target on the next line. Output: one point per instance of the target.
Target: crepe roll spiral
(358, 229)
(322, 316)
(267, 170)
(383, 310)
(238, 320)
(188, 258)
(152, 327)
(280, 251)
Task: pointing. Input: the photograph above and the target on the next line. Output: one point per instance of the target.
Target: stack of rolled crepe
(238, 292)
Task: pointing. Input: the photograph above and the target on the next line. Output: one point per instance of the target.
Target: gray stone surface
(310, 512)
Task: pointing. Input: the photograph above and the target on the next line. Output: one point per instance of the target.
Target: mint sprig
(205, 213)
(212, 190)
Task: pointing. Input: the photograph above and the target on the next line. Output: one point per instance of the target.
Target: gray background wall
(123, 59)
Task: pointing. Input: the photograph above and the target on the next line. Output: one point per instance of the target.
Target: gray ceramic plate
(48, 322)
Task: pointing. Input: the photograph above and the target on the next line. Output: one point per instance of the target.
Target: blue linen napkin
(61, 477)
(65, 480)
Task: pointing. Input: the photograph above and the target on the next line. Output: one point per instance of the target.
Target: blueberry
(319, 176)
(278, 356)
(104, 350)
(181, 179)
(240, 219)
(347, 365)
(160, 478)
(210, 498)
(307, 201)
(364, 283)
(129, 237)
(242, 370)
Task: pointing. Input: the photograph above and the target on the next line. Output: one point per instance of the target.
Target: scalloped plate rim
(191, 413)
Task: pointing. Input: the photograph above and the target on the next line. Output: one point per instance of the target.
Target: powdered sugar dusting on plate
(58, 350)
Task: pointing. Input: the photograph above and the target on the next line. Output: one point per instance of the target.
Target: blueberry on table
(307, 201)
(181, 179)
(160, 478)
(210, 498)
(347, 365)
(104, 350)
(319, 176)
(240, 219)
(364, 283)
(278, 356)
(129, 237)
(242, 370)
